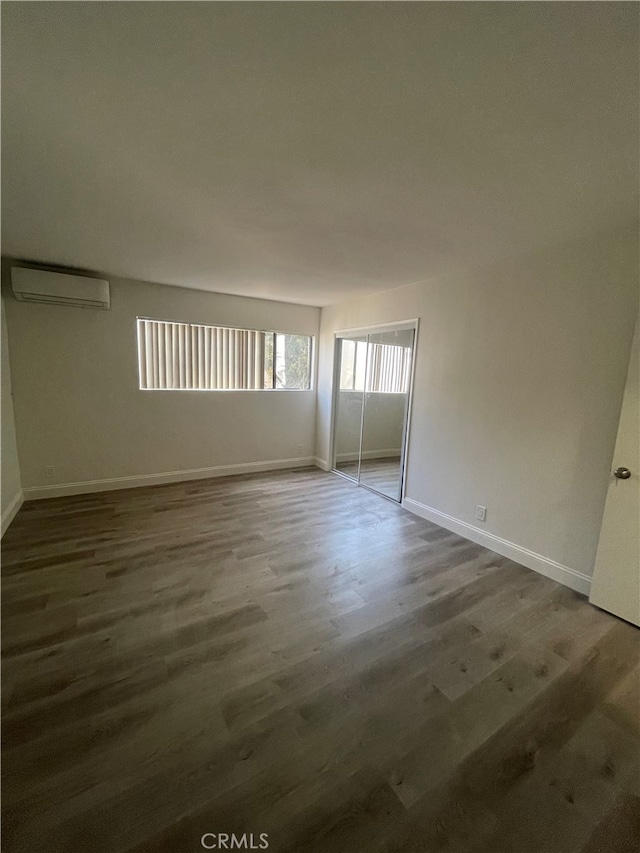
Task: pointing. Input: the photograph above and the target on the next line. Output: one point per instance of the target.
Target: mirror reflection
(352, 364)
(372, 399)
(386, 401)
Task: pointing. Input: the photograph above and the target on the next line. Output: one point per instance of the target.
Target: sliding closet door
(351, 356)
(386, 406)
(371, 406)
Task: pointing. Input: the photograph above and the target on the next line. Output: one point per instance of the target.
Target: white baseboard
(544, 565)
(11, 511)
(88, 486)
(385, 453)
(321, 463)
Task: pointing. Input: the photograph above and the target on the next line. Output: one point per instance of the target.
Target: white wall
(78, 406)
(519, 376)
(11, 487)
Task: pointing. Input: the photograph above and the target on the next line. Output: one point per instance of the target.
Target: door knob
(622, 473)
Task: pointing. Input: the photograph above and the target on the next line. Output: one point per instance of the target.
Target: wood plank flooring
(382, 475)
(293, 655)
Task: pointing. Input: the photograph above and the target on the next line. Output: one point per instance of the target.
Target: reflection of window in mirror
(347, 365)
(388, 367)
(353, 365)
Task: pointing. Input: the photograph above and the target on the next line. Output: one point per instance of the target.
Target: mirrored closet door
(349, 402)
(372, 393)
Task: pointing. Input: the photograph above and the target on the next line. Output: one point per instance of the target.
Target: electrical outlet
(50, 471)
(481, 513)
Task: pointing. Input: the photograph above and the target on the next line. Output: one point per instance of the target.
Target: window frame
(274, 332)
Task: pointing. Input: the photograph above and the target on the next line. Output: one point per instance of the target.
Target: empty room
(320, 427)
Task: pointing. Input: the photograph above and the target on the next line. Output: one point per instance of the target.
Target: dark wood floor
(293, 655)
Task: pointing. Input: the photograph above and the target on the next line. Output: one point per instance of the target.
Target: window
(386, 367)
(190, 357)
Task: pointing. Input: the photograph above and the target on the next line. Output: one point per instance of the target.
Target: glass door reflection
(373, 374)
(386, 406)
(352, 364)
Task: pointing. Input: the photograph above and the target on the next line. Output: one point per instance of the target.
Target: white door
(616, 577)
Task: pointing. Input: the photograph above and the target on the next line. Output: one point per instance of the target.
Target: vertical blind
(174, 356)
(388, 368)
(384, 368)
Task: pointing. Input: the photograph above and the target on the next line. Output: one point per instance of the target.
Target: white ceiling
(311, 151)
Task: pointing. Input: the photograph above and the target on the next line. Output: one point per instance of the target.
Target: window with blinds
(193, 357)
(382, 368)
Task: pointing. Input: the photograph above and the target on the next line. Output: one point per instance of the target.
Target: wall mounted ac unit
(31, 285)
